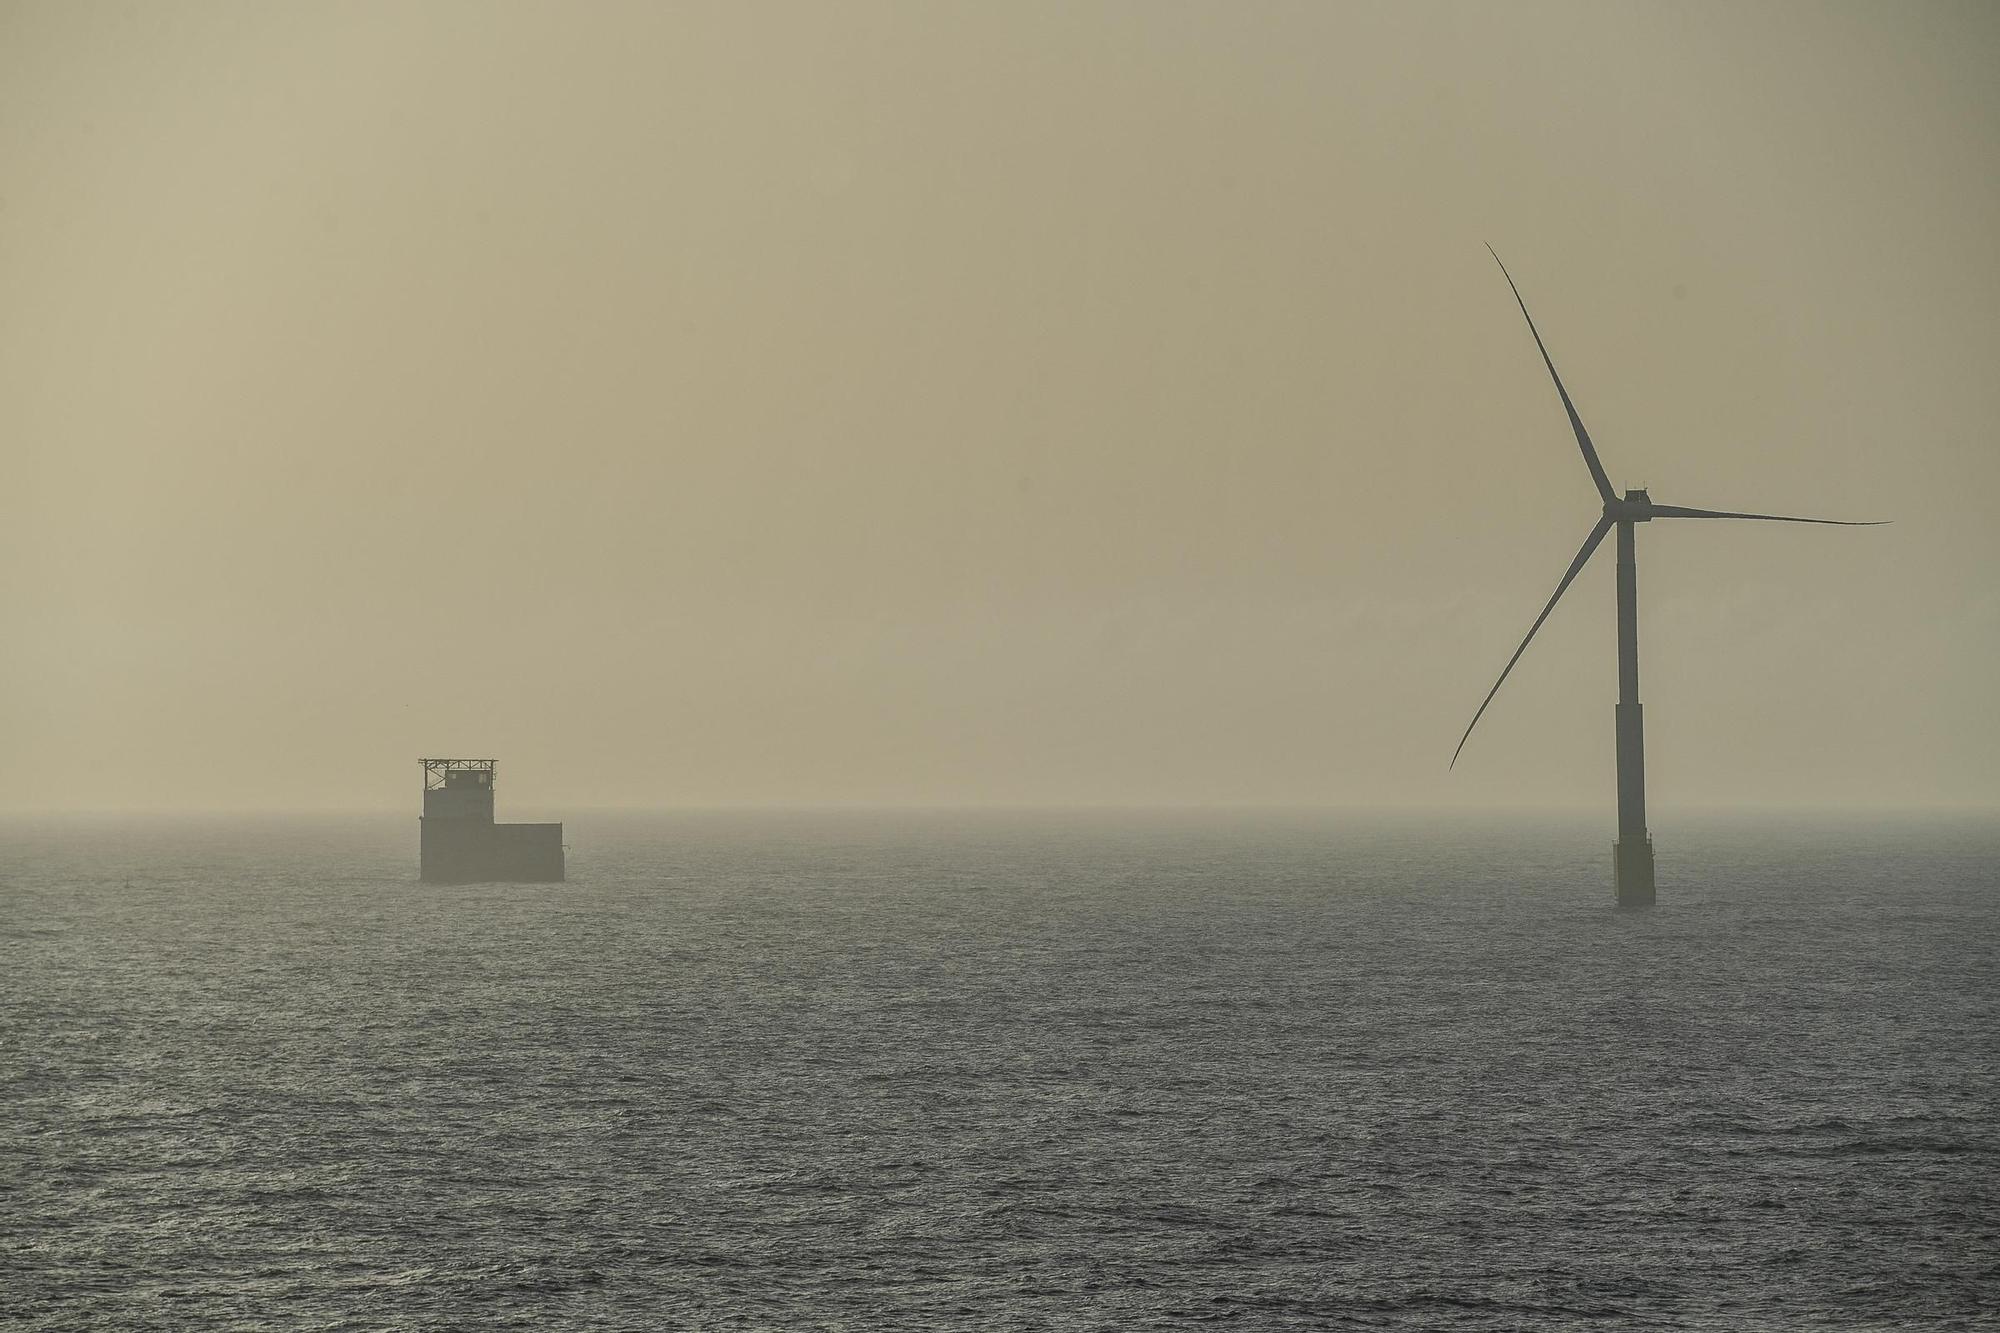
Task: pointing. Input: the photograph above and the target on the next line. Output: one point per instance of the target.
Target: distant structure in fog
(1632, 854)
(460, 843)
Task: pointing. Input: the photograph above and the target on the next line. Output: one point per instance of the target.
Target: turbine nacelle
(1636, 507)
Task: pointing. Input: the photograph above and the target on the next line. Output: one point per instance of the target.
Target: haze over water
(905, 403)
(1002, 1070)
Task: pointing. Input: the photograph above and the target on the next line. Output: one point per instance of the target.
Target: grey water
(931, 1070)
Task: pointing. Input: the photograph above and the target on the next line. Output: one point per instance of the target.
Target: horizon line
(1002, 807)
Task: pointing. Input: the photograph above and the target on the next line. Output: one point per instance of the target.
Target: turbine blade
(1589, 545)
(1575, 421)
(1676, 511)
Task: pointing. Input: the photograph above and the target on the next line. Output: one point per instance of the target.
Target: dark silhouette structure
(460, 843)
(1632, 854)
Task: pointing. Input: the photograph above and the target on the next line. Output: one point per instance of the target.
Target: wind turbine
(1632, 854)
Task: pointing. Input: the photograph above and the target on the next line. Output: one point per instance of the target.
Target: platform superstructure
(460, 843)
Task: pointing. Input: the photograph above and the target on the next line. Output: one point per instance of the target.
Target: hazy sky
(954, 403)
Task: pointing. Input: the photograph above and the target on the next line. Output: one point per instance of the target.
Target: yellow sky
(940, 403)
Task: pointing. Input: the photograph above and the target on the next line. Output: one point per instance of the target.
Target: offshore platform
(460, 843)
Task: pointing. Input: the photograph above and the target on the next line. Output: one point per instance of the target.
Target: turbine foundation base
(1632, 871)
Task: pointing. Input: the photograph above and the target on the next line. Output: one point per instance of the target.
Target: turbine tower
(1632, 854)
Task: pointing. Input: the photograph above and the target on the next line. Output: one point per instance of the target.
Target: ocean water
(929, 1071)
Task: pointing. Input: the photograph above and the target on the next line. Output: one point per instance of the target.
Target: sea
(942, 1070)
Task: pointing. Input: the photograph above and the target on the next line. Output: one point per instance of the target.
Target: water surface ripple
(997, 1071)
